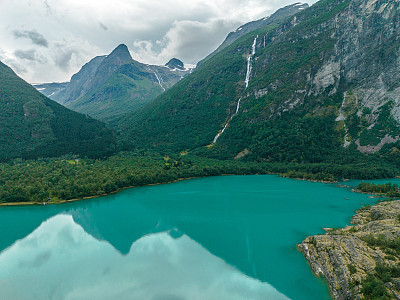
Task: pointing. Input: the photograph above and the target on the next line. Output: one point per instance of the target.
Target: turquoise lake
(228, 237)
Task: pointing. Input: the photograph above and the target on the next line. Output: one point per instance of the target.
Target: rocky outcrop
(373, 149)
(345, 257)
(175, 63)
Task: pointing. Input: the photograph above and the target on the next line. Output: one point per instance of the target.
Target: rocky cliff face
(80, 83)
(347, 257)
(364, 67)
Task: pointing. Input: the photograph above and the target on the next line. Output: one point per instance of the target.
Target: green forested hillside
(189, 115)
(32, 125)
(307, 100)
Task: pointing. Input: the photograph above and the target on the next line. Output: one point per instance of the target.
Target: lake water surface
(228, 237)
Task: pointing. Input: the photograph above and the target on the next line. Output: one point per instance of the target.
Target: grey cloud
(16, 67)
(31, 55)
(194, 41)
(48, 8)
(33, 35)
(104, 27)
(189, 41)
(28, 54)
(63, 56)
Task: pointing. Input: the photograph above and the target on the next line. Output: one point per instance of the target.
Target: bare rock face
(365, 58)
(345, 257)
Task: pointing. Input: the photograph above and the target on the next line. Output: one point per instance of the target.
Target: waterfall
(253, 48)
(247, 80)
(249, 59)
(227, 123)
(237, 107)
(222, 131)
(160, 80)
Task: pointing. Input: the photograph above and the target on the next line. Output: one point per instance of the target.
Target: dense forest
(31, 125)
(388, 189)
(71, 177)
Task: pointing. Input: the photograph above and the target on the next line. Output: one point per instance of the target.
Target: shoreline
(8, 204)
(350, 258)
(120, 190)
(98, 196)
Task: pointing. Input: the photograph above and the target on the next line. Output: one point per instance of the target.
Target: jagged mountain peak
(121, 53)
(175, 63)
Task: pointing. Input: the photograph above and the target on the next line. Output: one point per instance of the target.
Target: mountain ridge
(109, 86)
(31, 125)
(291, 109)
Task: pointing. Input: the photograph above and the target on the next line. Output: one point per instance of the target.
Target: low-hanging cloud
(189, 41)
(70, 33)
(64, 56)
(28, 54)
(33, 35)
(31, 55)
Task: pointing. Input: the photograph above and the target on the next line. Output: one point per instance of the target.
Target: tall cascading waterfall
(249, 59)
(247, 80)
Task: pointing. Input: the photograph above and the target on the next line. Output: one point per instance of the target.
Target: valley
(310, 92)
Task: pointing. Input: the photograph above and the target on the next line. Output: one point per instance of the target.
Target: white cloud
(154, 30)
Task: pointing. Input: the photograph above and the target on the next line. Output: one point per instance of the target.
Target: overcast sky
(49, 40)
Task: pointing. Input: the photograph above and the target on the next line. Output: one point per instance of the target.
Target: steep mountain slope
(32, 125)
(50, 89)
(323, 86)
(109, 86)
(276, 18)
(80, 83)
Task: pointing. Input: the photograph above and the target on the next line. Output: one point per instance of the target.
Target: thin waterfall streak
(160, 80)
(238, 106)
(227, 123)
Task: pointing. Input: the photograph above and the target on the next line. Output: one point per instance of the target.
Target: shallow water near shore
(228, 237)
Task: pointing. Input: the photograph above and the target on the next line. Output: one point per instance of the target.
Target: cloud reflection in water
(59, 260)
